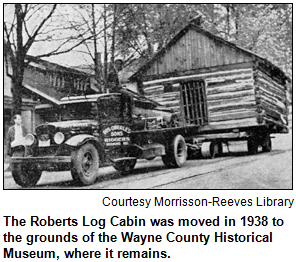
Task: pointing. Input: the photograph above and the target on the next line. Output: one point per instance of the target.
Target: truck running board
(116, 160)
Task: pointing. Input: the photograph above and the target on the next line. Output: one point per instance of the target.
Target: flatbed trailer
(201, 142)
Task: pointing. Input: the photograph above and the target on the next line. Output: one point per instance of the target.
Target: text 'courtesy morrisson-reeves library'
(214, 202)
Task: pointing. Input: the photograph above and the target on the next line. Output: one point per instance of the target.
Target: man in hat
(112, 79)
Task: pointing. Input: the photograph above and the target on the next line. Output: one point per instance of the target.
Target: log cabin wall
(230, 96)
(271, 95)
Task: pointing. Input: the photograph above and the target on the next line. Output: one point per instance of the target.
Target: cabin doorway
(194, 102)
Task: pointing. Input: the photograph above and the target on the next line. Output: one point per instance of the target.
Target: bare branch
(82, 52)
(57, 52)
(12, 25)
(34, 12)
(26, 29)
(25, 11)
(32, 38)
(7, 33)
(89, 51)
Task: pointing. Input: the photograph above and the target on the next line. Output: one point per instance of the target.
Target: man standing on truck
(113, 82)
(16, 134)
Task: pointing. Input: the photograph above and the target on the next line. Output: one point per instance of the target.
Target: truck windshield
(79, 111)
(114, 109)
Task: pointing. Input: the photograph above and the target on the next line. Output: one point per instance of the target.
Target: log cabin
(216, 85)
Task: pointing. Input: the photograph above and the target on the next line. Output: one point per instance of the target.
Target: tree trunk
(105, 49)
(228, 21)
(19, 65)
(16, 91)
(113, 34)
(237, 20)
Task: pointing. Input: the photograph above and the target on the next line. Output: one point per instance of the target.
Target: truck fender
(79, 140)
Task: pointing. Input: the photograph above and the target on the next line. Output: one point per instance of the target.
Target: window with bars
(194, 102)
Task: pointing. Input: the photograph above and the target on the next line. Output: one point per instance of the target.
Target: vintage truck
(100, 130)
(117, 129)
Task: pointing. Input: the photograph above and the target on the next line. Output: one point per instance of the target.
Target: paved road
(235, 170)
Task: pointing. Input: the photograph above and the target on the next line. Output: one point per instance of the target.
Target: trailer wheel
(253, 146)
(25, 175)
(176, 153)
(125, 167)
(216, 149)
(267, 145)
(85, 164)
(212, 149)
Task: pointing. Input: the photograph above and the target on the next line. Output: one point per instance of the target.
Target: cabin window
(194, 102)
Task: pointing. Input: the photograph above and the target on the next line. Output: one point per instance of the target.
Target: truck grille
(46, 151)
(44, 137)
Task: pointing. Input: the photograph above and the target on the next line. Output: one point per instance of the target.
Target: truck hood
(65, 125)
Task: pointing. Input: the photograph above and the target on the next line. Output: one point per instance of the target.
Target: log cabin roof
(262, 62)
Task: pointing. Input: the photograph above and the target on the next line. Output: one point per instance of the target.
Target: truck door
(115, 119)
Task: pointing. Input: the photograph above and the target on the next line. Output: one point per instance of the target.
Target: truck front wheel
(125, 167)
(25, 175)
(176, 153)
(85, 164)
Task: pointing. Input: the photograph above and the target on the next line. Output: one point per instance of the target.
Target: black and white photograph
(147, 96)
(139, 131)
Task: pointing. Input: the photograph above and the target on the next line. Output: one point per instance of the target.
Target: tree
(265, 29)
(26, 25)
(99, 20)
(262, 28)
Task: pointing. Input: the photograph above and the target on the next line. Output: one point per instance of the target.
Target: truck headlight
(59, 138)
(29, 139)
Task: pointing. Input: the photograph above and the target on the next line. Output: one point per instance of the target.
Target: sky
(71, 59)
(63, 15)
